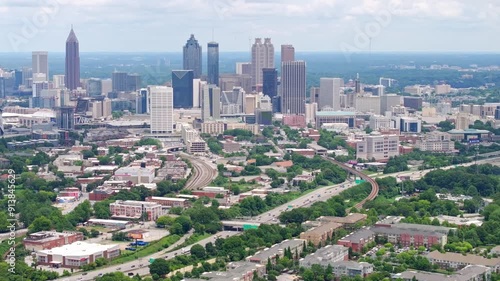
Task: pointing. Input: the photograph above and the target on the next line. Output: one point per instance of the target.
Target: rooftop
(48, 235)
(77, 249)
(169, 199)
(362, 234)
(275, 249)
(325, 254)
(467, 259)
(136, 203)
(334, 113)
(101, 221)
(468, 131)
(467, 273)
(399, 231)
(349, 219)
(323, 228)
(440, 229)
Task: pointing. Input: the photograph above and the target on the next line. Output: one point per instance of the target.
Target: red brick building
(357, 240)
(211, 192)
(70, 192)
(47, 240)
(170, 202)
(101, 194)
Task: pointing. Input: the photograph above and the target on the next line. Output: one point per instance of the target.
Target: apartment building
(348, 222)
(468, 273)
(411, 237)
(130, 209)
(352, 269)
(357, 240)
(326, 256)
(320, 234)
(277, 250)
(458, 261)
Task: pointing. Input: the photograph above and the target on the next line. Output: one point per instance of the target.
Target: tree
(164, 221)
(118, 160)
(40, 224)
(160, 267)
(94, 233)
(198, 251)
(185, 222)
(87, 154)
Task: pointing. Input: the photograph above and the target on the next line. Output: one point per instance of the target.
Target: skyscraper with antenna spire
(192, 56)
(213, 63)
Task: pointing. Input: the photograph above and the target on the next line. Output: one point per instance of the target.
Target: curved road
(373, 183)
(203, 173)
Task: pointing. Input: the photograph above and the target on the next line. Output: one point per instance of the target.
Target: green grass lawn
(141, 252)
(193, 239)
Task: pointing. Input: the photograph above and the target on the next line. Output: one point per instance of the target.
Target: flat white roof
(107, 221)
(78, 249)
(135, 203)
(168, 198)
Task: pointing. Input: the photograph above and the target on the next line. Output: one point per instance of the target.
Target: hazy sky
(310, 25)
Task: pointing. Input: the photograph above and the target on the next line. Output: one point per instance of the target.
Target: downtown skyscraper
(161, 109)
(270, 82)
(40, 63)
(72, 70)
(262, 57)
(182, 83)
(210, 102)
(293, 87)
(213, 63)
(192, 56)
(287, 53)
(329, 93)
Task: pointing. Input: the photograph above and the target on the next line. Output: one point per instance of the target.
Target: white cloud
(165, 25)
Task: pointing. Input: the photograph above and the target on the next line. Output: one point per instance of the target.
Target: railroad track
(203, 174)
(373, 194)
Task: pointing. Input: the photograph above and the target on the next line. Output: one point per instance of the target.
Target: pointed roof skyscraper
(72, 70)
(72, 36)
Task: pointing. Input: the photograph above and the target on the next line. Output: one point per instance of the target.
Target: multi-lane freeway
(321, 194)
(203, 173)
(141, 266)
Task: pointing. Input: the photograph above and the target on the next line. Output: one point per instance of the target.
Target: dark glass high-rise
(182, 82)
(270, 82)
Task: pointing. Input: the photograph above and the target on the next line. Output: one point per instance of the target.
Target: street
(141, 266)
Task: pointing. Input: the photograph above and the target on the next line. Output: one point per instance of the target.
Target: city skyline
(399, 25)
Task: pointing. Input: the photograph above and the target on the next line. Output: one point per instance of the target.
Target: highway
(321, 194)
(373, 194)
(415, 175)
(141, 266)
(203, 173)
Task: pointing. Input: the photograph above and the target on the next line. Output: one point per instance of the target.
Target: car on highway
(130, 274)
(118, 268)
(133, 266)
